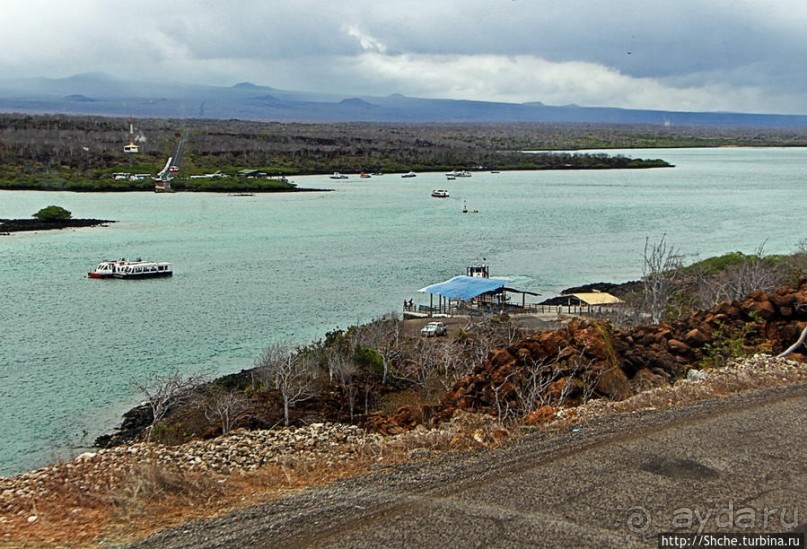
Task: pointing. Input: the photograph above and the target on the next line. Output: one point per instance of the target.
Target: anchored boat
(121, 268)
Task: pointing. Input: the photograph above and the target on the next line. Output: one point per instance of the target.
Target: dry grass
(149, 484)
(152, 497)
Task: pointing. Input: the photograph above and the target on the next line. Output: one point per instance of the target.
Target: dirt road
(731, 465)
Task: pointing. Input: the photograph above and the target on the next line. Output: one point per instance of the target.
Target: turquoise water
(250, 271)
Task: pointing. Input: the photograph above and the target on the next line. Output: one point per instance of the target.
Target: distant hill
(100, 94)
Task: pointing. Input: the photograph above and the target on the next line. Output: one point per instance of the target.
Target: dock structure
(472, 294)
(589, 302)
(476, 293)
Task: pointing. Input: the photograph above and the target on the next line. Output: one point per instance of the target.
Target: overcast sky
(701, 55)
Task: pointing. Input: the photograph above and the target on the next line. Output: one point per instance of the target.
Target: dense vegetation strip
(82, 153)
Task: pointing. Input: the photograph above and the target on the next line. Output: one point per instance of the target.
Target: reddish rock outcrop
(541, 415)
(584, 359)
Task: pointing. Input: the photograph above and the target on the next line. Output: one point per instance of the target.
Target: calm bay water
(250, 271)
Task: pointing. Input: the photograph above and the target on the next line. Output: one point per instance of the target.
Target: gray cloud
(739, 55)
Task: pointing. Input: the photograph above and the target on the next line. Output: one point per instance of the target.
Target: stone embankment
(97, 473)
(68, 495)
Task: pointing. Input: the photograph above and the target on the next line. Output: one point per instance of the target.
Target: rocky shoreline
(8, 226)
(581, 361)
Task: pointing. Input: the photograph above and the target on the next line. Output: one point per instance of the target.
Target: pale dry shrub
(153, 485)
(465, 431)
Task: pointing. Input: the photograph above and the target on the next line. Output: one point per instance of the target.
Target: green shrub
(369, 358)
(53, 213)
(730, 342)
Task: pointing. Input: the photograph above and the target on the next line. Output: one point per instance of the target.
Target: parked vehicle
(433, 329)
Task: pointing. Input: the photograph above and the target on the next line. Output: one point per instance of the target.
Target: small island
(46, 219)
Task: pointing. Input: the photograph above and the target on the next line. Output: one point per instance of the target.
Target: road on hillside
(736, 464)
(179, 149)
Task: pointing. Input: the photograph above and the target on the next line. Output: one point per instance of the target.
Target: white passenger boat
(121, 268)
(440, 193)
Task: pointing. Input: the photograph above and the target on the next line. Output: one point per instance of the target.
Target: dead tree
(658, 275)
(226, 407)
(754, 274)
(346, 373)
(282, 368)
(736, 281)
(453, 366)
(533, 392)
(383, 335)
(480, 341)
(164, 392)
(500, 394)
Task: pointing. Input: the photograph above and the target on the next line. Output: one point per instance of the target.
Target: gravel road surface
(736, 464)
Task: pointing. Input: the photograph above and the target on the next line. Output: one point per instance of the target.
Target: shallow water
(250, 271)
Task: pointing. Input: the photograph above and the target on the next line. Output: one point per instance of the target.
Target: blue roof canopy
(465, 287)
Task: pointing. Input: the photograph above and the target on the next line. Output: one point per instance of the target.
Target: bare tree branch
(226, 407)
(165, 391)
(281, 367)
(795, 346)
(660, 267)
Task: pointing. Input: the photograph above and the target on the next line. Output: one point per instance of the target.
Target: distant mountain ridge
(100, 94)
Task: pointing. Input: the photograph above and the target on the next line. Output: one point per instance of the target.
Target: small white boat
(440, 193)
(453, 174)
(410, 174)
(121, 268)
(337, 175)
